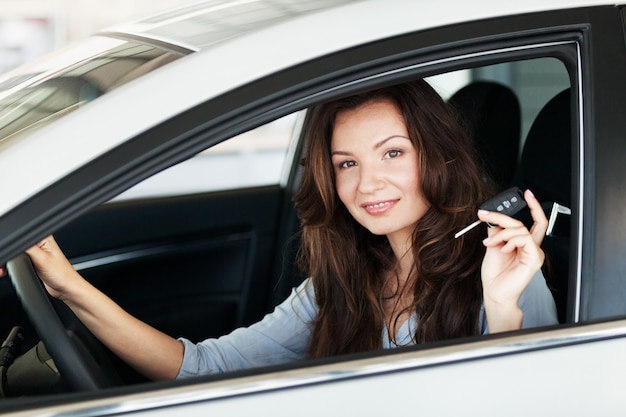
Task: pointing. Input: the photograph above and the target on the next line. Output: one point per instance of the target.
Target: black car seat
(492, 115)
(546, 169)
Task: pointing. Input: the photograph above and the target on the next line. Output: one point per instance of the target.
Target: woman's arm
(282, 336)
(151, 352)
(512, 258)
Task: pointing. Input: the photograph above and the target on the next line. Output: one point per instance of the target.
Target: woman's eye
(346, 164)
(393, 153)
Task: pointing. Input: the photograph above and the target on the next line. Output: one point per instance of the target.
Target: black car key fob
(508, 202)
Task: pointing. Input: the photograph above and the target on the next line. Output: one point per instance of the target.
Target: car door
(527, 372)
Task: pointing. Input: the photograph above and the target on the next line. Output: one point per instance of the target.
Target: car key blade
(509, 202)
(467, 228)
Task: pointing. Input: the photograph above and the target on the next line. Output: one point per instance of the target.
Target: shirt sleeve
(281, 336)
(536, 302)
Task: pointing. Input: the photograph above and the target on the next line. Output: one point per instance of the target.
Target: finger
(527, 250)
(519, 241)
(46, 244)
(502, 236)
(3, 271)
(499, 219)
(492, 230)
(34, 250)
(40, 252)
(540, 221)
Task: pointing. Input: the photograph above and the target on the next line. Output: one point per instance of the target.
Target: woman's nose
(370, 179)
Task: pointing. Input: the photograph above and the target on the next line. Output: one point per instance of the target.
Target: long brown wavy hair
(348, 264)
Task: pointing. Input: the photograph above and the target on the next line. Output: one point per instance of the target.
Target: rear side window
(252, 159)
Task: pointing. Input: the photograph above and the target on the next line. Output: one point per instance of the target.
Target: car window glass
(533, 81)
(253, 158)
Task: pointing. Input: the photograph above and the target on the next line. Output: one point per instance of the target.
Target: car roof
(186, 26)
(230, 19)
(44, 156)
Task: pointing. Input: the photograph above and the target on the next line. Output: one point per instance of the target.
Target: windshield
(62, 82)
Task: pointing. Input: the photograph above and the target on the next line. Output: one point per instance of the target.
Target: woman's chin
(379, 231)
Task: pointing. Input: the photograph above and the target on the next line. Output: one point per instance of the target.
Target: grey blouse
(283, 335)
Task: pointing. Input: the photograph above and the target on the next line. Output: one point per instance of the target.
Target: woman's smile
(380, 207)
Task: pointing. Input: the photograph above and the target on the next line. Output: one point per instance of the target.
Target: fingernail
(531, 193)
(486, 240)
(481, 211)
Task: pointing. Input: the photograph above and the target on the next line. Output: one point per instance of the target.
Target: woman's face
(376, 170)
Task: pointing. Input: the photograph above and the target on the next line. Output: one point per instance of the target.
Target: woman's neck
(401, 244)
(403, 253)
(398, 294)
(397, 307)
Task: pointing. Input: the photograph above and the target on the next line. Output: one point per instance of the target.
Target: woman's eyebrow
(382, 142)
(376, 145)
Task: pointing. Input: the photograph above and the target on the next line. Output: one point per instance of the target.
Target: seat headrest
(492, 112)
(546, 163)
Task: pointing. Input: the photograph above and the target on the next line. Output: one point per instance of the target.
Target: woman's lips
(376, 208)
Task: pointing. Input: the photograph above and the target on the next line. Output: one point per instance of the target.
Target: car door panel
(196, 266)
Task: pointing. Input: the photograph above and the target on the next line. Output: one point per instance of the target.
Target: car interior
(493, 115)
(200, 265)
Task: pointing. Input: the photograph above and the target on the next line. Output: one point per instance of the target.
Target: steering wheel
(78, 367)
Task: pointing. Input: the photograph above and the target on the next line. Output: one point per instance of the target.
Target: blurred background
(31, 28)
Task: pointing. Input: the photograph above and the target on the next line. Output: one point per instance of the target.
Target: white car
(163, 156)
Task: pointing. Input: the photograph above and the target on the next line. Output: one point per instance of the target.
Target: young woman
(389, 177)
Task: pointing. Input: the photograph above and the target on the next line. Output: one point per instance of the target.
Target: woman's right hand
(54, 269)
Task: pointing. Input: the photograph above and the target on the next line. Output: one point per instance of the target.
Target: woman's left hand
(512, 258)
